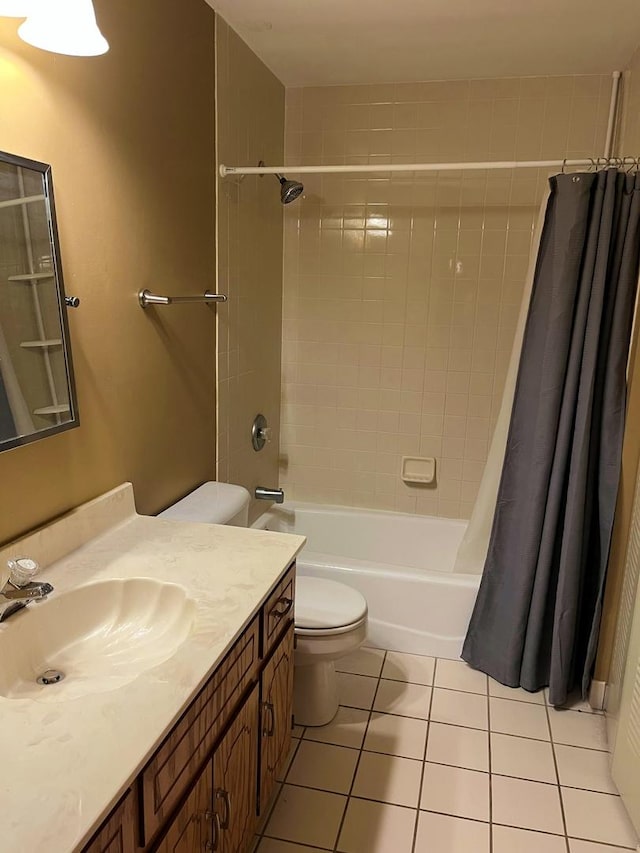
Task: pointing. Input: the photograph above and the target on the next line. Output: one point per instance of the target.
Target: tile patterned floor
(429, 756)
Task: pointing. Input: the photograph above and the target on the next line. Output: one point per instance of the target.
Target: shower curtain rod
(597, 162)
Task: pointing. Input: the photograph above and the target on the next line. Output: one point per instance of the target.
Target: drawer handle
(282, 606)
(268, 730)
(223, 795)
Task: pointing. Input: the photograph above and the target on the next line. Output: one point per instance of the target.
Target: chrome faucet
(264, 494)
(20, 590)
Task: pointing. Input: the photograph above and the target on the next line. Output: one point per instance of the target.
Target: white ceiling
(328, 42)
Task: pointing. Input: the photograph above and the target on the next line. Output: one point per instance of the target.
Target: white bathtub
(402, 564)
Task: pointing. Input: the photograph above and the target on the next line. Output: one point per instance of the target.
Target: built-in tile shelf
(15, 202)
(52, 342)
(52, 410)
(35, 276)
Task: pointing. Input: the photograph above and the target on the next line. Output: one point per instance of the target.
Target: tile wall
(250, 127)
(401, 293)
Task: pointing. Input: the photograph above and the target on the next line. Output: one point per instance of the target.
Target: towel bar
(146, 298)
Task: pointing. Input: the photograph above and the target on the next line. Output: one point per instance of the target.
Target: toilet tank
(212, 503)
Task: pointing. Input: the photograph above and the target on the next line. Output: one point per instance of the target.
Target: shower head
(289, 190)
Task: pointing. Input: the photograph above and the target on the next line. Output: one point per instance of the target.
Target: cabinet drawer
(177, 761)
(118, 833)
(277, 612)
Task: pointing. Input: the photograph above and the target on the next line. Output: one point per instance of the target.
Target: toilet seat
(325, 607)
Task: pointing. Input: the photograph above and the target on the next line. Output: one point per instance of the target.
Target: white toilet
(331, 622)
(330, 617)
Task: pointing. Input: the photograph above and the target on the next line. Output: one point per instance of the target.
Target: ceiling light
(15, 8)
(64, 26)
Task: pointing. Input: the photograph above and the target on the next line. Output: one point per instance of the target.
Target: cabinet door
(191, 831)
(235, 772)
(117, 834)
(275, 715)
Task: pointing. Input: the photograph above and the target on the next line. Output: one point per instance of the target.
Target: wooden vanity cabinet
(203, 787)
(118, 833)
(276, 714)
(192, 829)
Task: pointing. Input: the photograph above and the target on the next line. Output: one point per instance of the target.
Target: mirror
(37, 392)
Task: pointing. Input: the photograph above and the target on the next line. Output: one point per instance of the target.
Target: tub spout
(264, 494)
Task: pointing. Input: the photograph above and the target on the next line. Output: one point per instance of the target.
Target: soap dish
(418, 469)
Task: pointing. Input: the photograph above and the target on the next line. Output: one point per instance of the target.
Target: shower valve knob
(261, 432)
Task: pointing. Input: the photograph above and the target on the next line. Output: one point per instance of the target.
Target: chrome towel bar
(146, 298)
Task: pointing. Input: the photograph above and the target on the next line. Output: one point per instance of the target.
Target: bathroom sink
(92, 639)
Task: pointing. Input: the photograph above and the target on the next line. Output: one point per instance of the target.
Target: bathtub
(401, 563)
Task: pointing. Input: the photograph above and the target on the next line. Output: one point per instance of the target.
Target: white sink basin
(100, 636)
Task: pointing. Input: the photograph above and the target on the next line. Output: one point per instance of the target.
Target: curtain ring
(564, 165)
(592, 165)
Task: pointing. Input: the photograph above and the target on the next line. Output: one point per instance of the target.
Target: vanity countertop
(65, 762)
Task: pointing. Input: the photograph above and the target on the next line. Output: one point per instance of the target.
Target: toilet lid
(326, 604)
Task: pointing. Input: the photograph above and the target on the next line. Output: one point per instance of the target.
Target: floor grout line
(555, 764)
(424, 758)
(360, 751)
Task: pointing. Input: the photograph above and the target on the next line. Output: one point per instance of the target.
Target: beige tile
(518, 756)
(519, 718)
(363, 662)
(584, 768)
(306, 817)
(439, 833)
(389, 779)
(396, 735)
(356, 691)
(271, 845)
(454, 791)
(403, 667)
(457, 675)
(509, 840)
(346, 729)
(575, 729)
(376, 828)
(578, 846)
(515, 693)
(295, 743)
(459, 709)
(597, 817)
(529, 805)
(408, 700)
(458, 746)
(323, 766)
(298, 731)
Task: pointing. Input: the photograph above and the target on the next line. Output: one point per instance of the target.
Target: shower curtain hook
(592, 165)
(564, 165)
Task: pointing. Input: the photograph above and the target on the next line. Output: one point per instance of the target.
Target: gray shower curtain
(537, 616)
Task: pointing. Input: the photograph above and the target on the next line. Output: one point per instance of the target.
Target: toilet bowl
(330, 617)
(330, 622)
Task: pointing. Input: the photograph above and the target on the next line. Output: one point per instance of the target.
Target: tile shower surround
(430, 756)
(401, 293)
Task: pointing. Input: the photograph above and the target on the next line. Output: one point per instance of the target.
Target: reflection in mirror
(37, 394)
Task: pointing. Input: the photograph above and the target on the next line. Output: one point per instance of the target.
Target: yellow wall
(401, 293)
(130, 137)
(250, 111)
